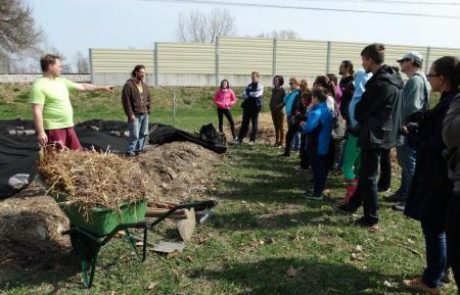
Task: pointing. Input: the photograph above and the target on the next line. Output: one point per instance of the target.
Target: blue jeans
(406, 159)
(138, 131)
(436, 254)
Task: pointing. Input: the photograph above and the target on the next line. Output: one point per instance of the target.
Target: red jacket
(224, 98)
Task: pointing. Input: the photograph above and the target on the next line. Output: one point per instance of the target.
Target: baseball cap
(414, 56)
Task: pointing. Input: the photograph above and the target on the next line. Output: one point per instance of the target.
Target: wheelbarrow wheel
(86, 250)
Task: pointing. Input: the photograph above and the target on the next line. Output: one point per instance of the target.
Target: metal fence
(191, 64)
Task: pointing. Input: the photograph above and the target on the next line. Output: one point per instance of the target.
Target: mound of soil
(180, 171)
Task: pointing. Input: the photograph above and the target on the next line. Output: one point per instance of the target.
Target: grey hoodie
(451, 137)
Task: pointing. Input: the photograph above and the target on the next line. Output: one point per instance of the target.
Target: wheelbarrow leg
(88, 281)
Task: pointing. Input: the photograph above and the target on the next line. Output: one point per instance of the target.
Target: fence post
(217, 61)
(90, 65)
(328, 58)
(274, 70)
(155, 64)
(427, 59)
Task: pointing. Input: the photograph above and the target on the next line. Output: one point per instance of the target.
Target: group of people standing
(352, 124)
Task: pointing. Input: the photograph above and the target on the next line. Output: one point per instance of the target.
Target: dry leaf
(189, 258)
(173, 254)
(359, 248)
(292, 272)
(152, 285)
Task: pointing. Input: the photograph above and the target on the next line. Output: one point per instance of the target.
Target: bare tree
(18, 31)
(82, 63)
(281, 34)
(198, 27)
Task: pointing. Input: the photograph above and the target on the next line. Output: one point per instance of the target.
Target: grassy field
(264, 238)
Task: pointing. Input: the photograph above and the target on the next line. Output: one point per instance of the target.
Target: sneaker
(399, 207)
(252, 142)
(394, 198)
(130, 155)
(312, 196)
(419, 285)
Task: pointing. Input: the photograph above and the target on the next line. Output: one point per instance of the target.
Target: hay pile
(92, 179)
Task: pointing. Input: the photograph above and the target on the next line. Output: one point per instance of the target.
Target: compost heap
(92, 179)
(31, 222)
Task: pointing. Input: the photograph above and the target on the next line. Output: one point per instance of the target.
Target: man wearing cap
(415, 99)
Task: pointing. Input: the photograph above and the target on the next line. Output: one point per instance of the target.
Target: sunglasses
(432, 75)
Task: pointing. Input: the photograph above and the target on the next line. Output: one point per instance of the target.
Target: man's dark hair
(136, 69)
(320, 93)
(374, 52)
(47, 60)
(280, 78)
(348, 65)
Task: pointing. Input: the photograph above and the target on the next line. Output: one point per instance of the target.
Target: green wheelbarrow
(88, 234)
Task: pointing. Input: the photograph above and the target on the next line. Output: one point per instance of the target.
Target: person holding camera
(431, 188)
(415, 99)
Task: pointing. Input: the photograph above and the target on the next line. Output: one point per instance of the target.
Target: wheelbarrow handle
(201, 205)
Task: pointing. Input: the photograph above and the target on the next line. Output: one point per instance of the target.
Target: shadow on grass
(269, 276)
(258, 175)
(280, 219)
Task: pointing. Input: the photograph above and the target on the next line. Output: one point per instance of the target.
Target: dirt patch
(179, 171)
(265, 130)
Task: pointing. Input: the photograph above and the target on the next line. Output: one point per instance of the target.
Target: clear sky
(76, 25)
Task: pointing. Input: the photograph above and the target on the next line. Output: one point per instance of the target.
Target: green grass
(260, 229)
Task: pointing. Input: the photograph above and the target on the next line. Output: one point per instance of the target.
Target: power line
(245, 4)
(387, 2)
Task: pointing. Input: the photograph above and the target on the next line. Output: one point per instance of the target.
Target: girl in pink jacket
(224, 99)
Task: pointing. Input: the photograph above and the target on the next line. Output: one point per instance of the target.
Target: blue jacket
(291, 99)
(361, 78)
(319, 127)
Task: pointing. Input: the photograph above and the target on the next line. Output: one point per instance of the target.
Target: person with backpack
(415, 99)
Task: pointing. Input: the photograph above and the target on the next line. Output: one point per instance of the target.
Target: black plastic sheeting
(19, 152)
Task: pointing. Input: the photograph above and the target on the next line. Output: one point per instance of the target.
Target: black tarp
(207, 138)
(18, 159)
(19, 152)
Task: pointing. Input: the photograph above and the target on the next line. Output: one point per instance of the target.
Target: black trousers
(453, 236)
(366, 192)
(304, 159)
(385, 170)
(250, 114)
(292, 130)
(320, 172)
(228, 115)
